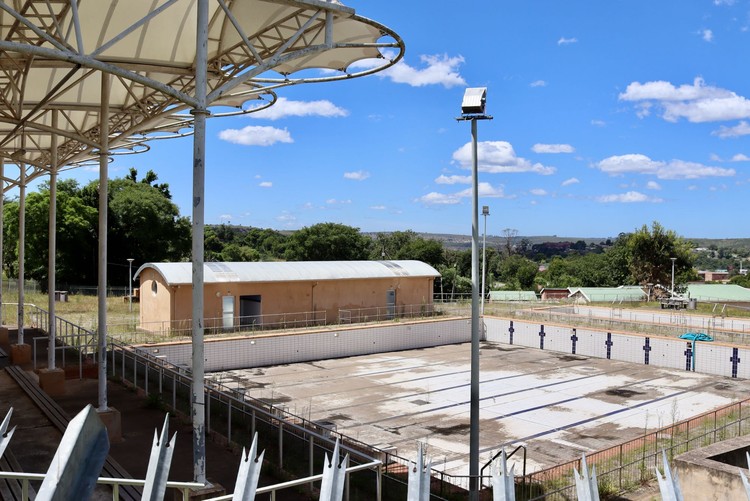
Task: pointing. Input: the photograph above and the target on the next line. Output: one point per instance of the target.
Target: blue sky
(607, 116)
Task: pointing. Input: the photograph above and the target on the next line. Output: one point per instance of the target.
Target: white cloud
(707, 35)
(256, 136)
(484, 190)
(377, 207)
(225, 217)
(674, 169)
(437, 70)
(653, 185)
(286, 218)
(498, 157)
(359, 175)
(715, 158)
(740, 157)
(333, 201)
(696, 103)
(724, 2)
(538, 192)
(566, 41)
(443, 179)
(538, 83)
(741, 129)
(265, 184)
(598, 123)
(629, 197)
(287, 108)
(552, 148)
(570, 181)
(692, 187)
(435, 198)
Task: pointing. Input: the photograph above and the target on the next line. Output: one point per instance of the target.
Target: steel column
(102, 289)
(21, 247)
(474, 404)
(52, 247)
(2, 199)
(199, 173)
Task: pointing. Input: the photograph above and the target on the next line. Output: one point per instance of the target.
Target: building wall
(157, 301)
(175, 304)
(273, 349)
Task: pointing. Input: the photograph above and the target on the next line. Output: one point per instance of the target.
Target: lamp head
(475, 99)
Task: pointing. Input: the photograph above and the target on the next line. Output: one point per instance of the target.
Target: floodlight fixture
(475, 99)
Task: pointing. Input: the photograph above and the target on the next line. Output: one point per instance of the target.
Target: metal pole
(130, 284)
(474, 412)
(102, 290)
(21, 248)
(52, 246)
(199, 173)
(673, 260)
(485, 213)
(2, 200)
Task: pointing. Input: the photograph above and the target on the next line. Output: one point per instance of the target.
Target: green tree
(518, 272)
(328, 242)
(407, 245)
(649, 255)
(76, 244)
(145, 225)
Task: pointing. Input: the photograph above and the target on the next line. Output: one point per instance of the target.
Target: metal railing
(383, 313)
(26, 478)
(631, 464)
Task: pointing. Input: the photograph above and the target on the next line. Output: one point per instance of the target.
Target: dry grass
(80, 309)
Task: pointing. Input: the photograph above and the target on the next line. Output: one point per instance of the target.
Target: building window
(154, 287)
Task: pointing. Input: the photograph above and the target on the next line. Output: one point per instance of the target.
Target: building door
(390, 303)
(227, 312)
(250, 310)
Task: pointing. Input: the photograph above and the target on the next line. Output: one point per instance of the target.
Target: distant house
(238, 294)
(719, 293)
(554, 293)
(513, 296)
(714, 276)
(624, 293)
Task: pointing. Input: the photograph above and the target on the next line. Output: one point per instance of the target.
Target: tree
(518, 273)
(328, 242)
(650, 252)
(144, 224)
(509, 234)
(407, 245)
(76, 256)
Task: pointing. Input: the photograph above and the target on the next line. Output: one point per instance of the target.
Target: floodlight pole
(473, 116)
(130, 284)
(673, 260)
(485, 213)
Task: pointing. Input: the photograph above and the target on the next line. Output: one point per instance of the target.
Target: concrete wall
(271, 349)
(710, 358)
(264, 350)
(705, 479)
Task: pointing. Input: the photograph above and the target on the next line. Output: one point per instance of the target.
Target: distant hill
(464, 241)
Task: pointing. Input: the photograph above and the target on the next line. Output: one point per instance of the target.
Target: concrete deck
(557, 404)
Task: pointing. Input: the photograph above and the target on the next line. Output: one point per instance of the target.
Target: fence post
(229, 419)
(145, 386)
(281, 444)
(174, 392)
(311, 469)
(252, 424)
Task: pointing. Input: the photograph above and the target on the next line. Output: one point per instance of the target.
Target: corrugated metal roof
(513, 296)
(290, 271)
(719, 292)
(622, 293)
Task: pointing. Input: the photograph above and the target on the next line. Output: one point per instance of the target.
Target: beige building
(262, 293)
